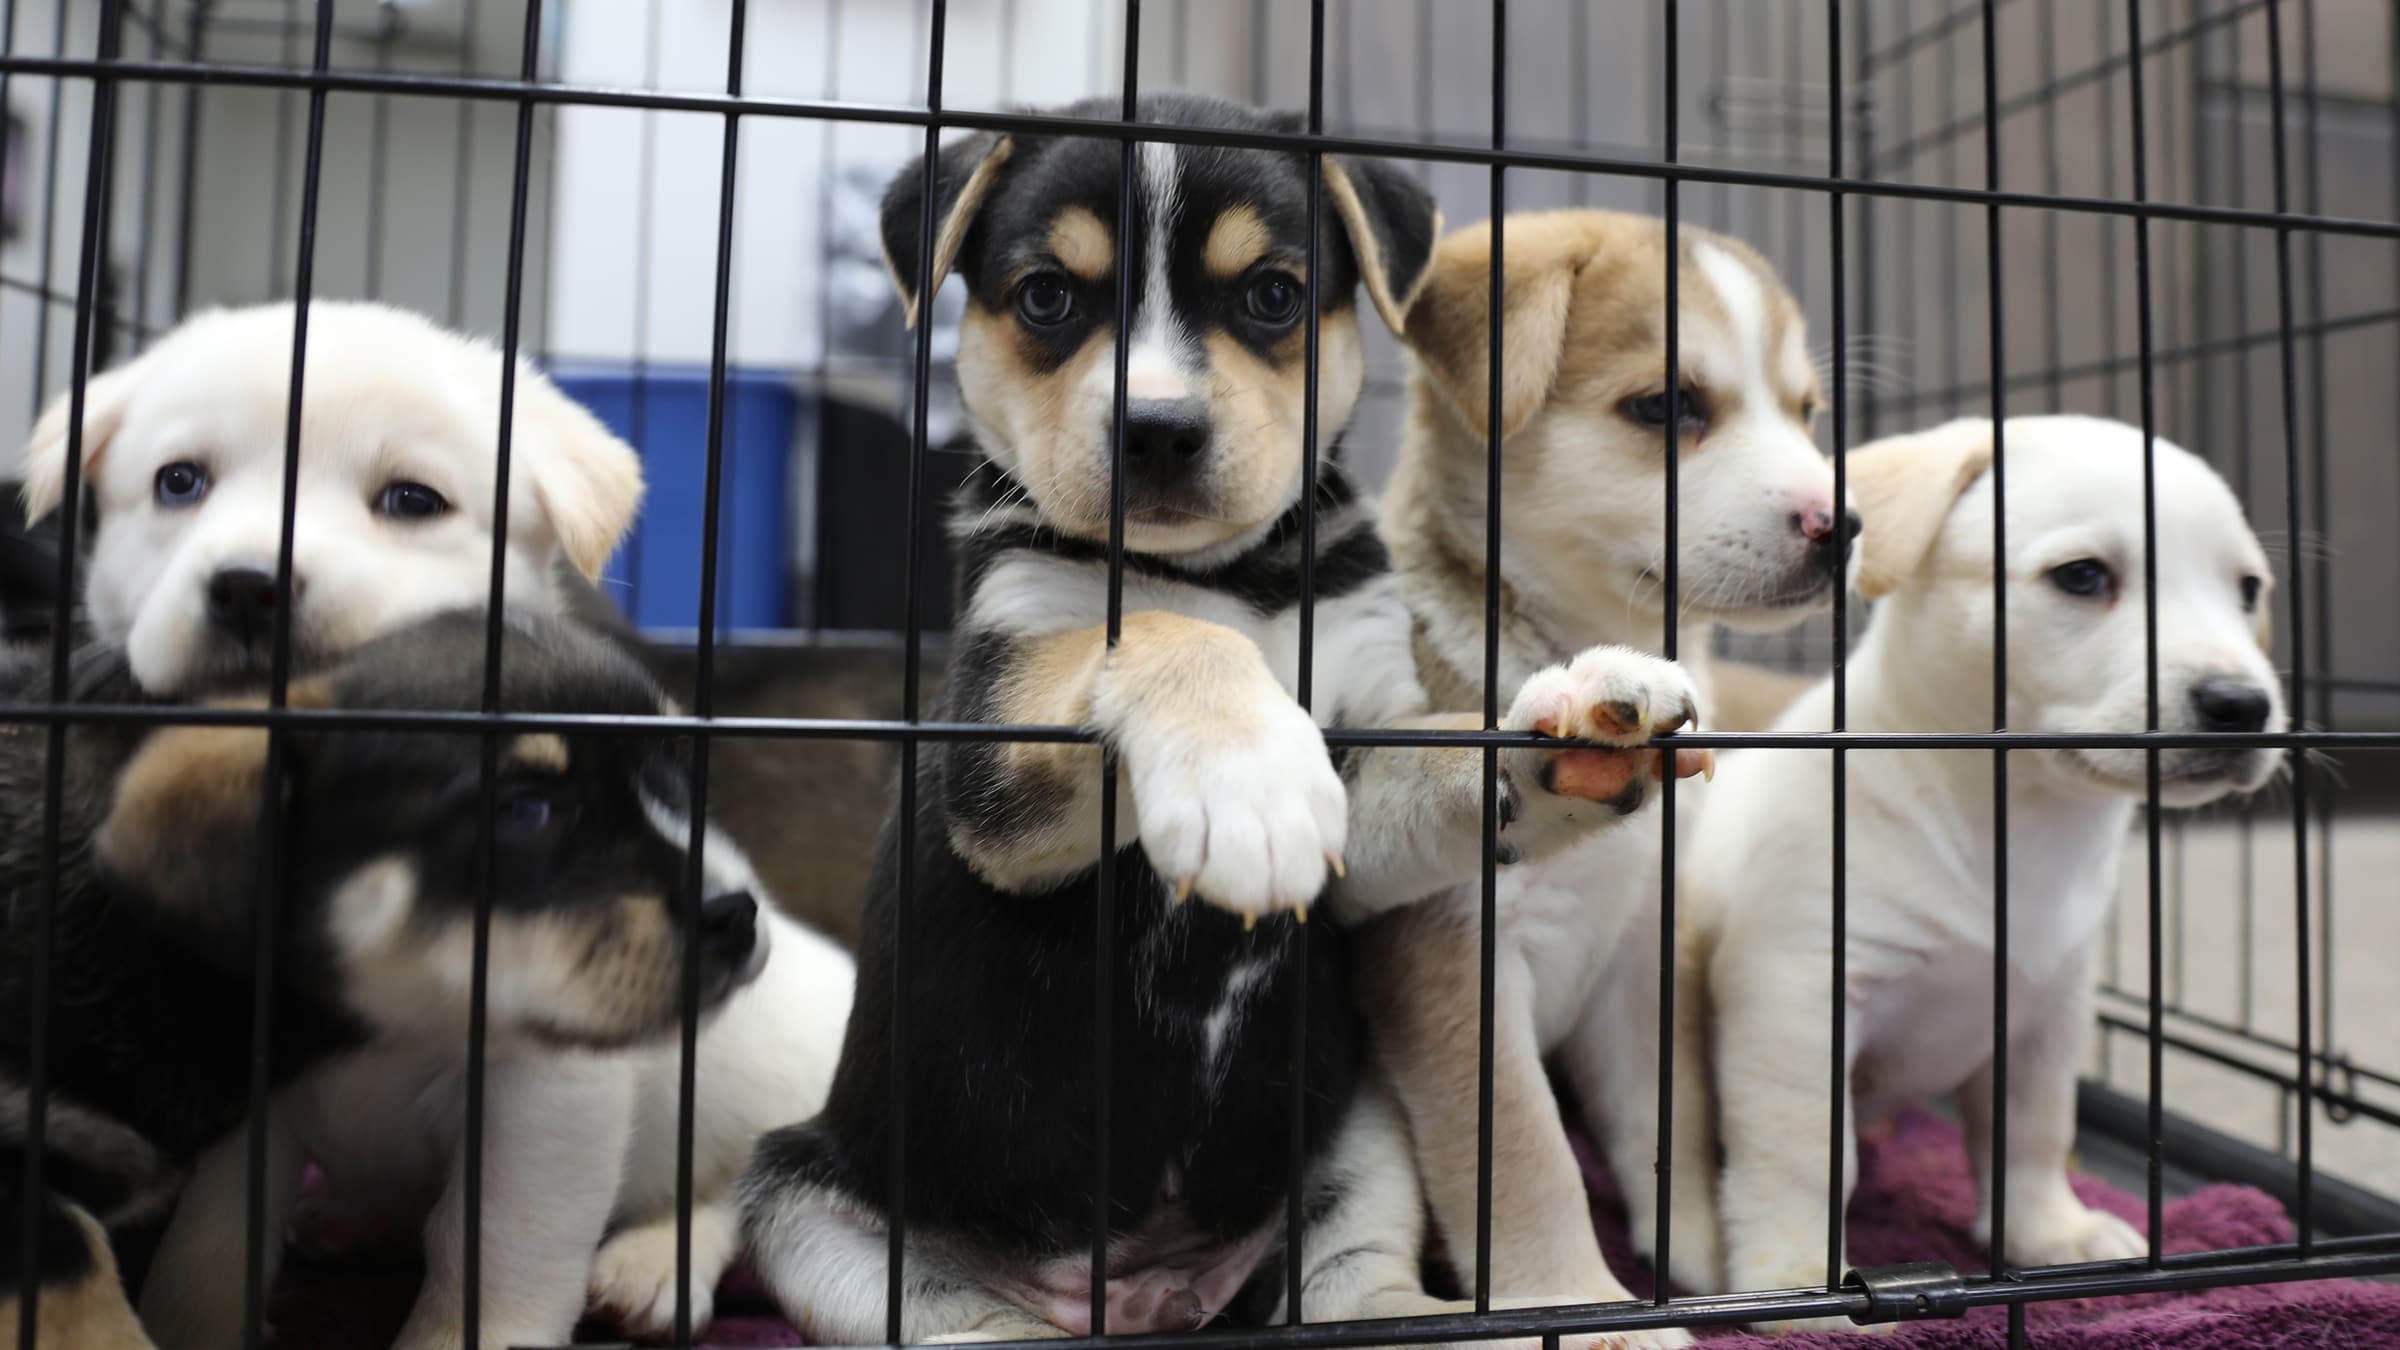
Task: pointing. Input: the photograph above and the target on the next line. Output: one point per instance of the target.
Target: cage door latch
(1912, 1291)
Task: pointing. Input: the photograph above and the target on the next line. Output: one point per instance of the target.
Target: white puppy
(182, 451)
(1921, 845)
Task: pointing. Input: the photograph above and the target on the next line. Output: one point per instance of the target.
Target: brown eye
(1650, 410)
(410, 501)
(1274, 299)
(2086, 578)
(181, 483)
(1045, 299)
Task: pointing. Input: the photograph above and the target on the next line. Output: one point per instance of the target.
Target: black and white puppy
(151, 982)
(1229, 790)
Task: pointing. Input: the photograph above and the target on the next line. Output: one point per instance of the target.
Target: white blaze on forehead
(1162, 353)
(1744, 300)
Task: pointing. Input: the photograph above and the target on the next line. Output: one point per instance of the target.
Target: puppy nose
(2222, 704)
(1165, 428)
(242, 598)
(1825, 534)
(1165, 440)
(729, 924)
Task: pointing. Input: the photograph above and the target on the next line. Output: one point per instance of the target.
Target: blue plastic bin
(663, 411)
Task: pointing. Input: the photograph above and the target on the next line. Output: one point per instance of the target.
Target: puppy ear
(183, 822)
(1905, 487)
(964, 173)
(587, 482)
(105, 397)
(1392, 223)
(1450, 326)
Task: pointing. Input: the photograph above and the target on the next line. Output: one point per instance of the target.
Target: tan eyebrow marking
(540, 751)
(1082, 244)
(1236, 242)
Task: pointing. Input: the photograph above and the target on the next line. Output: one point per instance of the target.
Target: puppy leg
(1611, 1057)
(1772, 1063)
(825, 1258)
(79, 1298)
(2047, 1223)
(1420, 981)
(1416, 814)
(552, 1125)
(633, 1278)
(1231, 791)
(196, 1294)
(1360, 1256)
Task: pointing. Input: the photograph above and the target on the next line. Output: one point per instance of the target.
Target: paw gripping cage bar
(1861, 187)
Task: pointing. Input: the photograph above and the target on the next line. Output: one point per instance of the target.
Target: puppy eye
(410, 501)
(2087, 577)
(1045, 299)
(1275, 299)
(1649, 411)
(2251, 586)
(523, 815)
(181, 483)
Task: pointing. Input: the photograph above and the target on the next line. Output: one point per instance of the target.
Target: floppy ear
(587, 482)
(1450, 326)
(1905, 487)
(964, 172)
(183, 822)
(1392, 223)
(105, 397)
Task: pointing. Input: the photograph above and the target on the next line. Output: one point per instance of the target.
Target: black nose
(2222, 704)
(729, 925)
(1166, 441)
(1824, 541)
(241, 599)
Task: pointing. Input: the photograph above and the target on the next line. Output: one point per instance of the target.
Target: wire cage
(2180, 213)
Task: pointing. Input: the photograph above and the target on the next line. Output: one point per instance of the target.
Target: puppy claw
(1183, 890)
(1333, 861)
(1299, 914)
(1622, 716)
(1249, 923)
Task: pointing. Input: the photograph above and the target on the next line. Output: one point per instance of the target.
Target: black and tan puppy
(151, 988)
(1229, 792)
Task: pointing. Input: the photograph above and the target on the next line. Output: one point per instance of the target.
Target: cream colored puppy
(1921, 847)
(183, 452)
(1584, 412)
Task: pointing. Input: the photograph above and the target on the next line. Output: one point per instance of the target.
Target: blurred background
(621, 221)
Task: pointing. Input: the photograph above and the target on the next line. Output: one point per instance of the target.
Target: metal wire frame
(2308, 1258)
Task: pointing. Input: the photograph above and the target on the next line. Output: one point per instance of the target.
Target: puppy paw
(1248, 815)
(1614, 696)
(633, 1277)
(2066, 1233)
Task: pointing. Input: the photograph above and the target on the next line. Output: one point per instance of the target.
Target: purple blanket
(1915, 1202)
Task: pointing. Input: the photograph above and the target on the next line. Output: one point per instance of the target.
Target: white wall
(1000, 54)
(246, 178)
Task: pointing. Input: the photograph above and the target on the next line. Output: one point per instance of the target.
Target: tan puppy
(1583, 410)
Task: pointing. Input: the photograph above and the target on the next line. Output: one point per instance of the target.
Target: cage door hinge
(1912, 1291)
